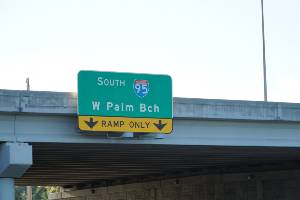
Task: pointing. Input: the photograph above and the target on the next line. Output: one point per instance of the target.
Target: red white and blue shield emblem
(141, 88)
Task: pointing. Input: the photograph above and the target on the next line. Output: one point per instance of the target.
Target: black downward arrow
(160, 125)
(91, 123)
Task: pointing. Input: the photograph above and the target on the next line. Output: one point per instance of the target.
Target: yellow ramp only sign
(125, 102)
(123, 124)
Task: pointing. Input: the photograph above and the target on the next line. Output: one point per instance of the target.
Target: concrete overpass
(209, 137)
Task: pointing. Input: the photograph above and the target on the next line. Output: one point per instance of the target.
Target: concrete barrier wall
(279, 185)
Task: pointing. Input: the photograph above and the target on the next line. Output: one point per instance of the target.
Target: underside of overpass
(84, 166)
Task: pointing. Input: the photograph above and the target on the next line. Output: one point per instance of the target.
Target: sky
(211, 48)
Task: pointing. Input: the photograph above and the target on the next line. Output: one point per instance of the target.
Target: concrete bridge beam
(15, 159)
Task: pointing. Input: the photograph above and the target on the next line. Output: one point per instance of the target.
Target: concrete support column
(28, 192)
(260, 190)
(7, 189)
(15, 159)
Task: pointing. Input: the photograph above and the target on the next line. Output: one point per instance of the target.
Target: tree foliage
(38, 193)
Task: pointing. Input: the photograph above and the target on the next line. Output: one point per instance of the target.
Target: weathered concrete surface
(38, 102)
(272, 185)
(66, 104)
(236, 110)
(51, 117)
(48, 121)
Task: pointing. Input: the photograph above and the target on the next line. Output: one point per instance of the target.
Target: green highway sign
(126, 102)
